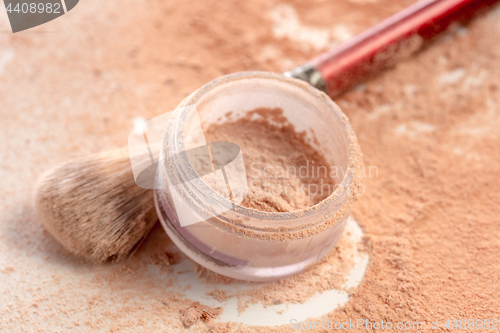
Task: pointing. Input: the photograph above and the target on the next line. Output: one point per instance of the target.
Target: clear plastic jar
(244, 243)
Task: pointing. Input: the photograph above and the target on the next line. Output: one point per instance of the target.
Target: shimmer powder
(301, 164)
(284, 173)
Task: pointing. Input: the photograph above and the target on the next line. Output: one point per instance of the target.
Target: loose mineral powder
(284, 173)
(430, 126)
(291, 135)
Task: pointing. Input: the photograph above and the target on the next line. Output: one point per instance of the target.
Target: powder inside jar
(284, 172)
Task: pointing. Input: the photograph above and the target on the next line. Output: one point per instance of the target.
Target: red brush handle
(384, 44)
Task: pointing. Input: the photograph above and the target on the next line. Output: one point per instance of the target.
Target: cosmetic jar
(245, 243)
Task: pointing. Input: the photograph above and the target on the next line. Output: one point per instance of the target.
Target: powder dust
(430, 126)
(329, 273)
(196, 311)
(282, 169)
(430, 215)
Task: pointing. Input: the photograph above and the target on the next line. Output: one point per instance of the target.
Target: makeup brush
(383, 45)
(92, 205)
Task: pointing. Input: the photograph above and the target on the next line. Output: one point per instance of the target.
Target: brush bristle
(93, 207)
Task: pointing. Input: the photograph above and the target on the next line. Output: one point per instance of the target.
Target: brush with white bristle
(93, 206)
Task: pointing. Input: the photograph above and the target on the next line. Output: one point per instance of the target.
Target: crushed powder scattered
(196, 311)
(430, 217)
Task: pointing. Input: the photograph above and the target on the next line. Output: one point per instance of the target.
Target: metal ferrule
(309, 74)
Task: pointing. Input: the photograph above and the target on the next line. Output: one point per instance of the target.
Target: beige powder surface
(75, 85)
(284, 173)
